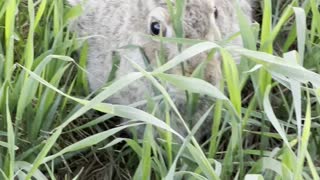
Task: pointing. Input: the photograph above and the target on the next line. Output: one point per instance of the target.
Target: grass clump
(266, 114)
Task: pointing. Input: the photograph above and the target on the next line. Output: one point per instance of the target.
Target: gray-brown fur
(117, 23)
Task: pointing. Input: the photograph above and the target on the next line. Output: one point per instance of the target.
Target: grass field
(266, 117)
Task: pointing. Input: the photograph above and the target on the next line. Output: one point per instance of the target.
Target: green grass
(266, 112)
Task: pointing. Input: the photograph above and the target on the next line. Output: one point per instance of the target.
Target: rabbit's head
(211, 20)
(125, 22)
(199, 22)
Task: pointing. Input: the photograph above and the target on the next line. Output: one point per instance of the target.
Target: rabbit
(112, 24)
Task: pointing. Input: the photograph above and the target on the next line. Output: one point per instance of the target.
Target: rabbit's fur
(117, 23)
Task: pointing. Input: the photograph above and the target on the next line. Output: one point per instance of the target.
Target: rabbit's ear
(74, 2)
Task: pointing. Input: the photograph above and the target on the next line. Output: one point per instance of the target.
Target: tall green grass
(265, 114)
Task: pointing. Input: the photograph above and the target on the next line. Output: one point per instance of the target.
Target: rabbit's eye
(155, 28)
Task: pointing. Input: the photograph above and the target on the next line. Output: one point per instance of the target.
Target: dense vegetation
(266, 120)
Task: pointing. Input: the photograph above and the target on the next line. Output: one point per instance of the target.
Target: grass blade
(87, 142)
(272, 118)
(11, 139)
(9, 36)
